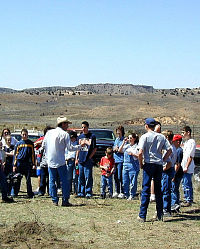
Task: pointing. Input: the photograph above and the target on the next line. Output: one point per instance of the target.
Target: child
(70, 161)
(188, 165)
(107, 165)
(24, 160)
(130, 165)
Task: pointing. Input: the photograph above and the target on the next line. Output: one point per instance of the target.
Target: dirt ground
(94, 223)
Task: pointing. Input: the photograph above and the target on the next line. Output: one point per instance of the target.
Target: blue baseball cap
(150, 121)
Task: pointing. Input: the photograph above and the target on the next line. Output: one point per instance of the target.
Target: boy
(107, 165)
(24, 161)
(188, 165)
(175, 194)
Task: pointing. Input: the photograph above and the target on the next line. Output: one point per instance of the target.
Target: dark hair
(85, 123)
(4, 130)
(47, 128)
(121, 128)
(187, 129)
(24, 130)
(109, 151)
(73, 134)
(134, 135)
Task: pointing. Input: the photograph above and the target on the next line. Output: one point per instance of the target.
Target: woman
(119, 158)
(5, 133)
(130, 165)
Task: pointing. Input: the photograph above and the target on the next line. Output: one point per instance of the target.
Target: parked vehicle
(104, 138)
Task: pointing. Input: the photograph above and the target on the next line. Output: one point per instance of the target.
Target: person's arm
(122, 145)
(140, 158)
(167, 166)
(189, 160)
(167, 154)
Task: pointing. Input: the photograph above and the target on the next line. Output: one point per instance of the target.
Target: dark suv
(104, 138)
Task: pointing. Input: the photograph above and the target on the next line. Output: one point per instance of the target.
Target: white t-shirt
(56, 141)
(131, 149)
(189, 151)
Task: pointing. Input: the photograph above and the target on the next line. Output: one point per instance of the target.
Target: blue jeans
(150, 171)
(118, 178)
(25, 169)
(3, 184)
(44, 180)
(187, 187)
(85, 180)
(166, 182)
(130, 175)
(53, 176)
(175, 193)
(106, 181)
(70, 171)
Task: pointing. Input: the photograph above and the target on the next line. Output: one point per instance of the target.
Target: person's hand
(76, 162)
(34, 167)
(14, 169)
(185, 170)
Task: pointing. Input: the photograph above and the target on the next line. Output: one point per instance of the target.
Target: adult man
(151, 145)
(188, 165)
(55, 143)
(85, 162)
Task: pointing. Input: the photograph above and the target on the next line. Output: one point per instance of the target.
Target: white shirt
(188, 151)
(56, 141)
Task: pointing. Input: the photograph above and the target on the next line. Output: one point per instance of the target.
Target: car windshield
(103, 135)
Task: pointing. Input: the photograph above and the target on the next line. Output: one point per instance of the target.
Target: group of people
(66, 159)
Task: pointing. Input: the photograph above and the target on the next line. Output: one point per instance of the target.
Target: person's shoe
(121, 196)
(166, 214)
(66, 204)
(130, 198)
(110, 196)
(186, 204)
(30, 196)
(140, 219)
(152, 198)
(88, 196)
(103, 196)
(40, 194)
(59, 190)
(175, 208)
(7, 200)
(115, 195)
(55, 203)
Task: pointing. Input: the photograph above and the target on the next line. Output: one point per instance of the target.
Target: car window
(104, 135)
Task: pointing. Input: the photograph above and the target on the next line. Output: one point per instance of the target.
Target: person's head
(5, 132)
(63, 122)
(150, 123)
(73, 136)
(120, 131)
(177, 139)
(47, 128)
(157, 127)
(24, 134)
(186, 132)
(169, 135)
(8, 140)
(85, 127)
(109, 152)
(133, 138)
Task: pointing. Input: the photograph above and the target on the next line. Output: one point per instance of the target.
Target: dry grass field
(94, 223)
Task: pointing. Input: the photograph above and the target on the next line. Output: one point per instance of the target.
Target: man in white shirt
(188, 165)
(56, 141)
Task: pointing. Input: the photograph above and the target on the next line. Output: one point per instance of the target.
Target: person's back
(153, 143)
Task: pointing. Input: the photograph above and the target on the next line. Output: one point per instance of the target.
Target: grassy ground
(94, 223)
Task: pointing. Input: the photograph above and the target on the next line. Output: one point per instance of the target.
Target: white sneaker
(59, 190)
(130, 198)
(166, 214)
(115, 195)
(152, 198)
(121, 196)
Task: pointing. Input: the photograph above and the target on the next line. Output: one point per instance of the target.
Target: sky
(72, 42)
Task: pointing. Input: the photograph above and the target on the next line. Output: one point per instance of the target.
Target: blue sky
(66, 43)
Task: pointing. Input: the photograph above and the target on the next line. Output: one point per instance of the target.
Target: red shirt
(109, 162)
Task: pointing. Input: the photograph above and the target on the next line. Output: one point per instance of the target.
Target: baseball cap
(150, 121)
(177, 137)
